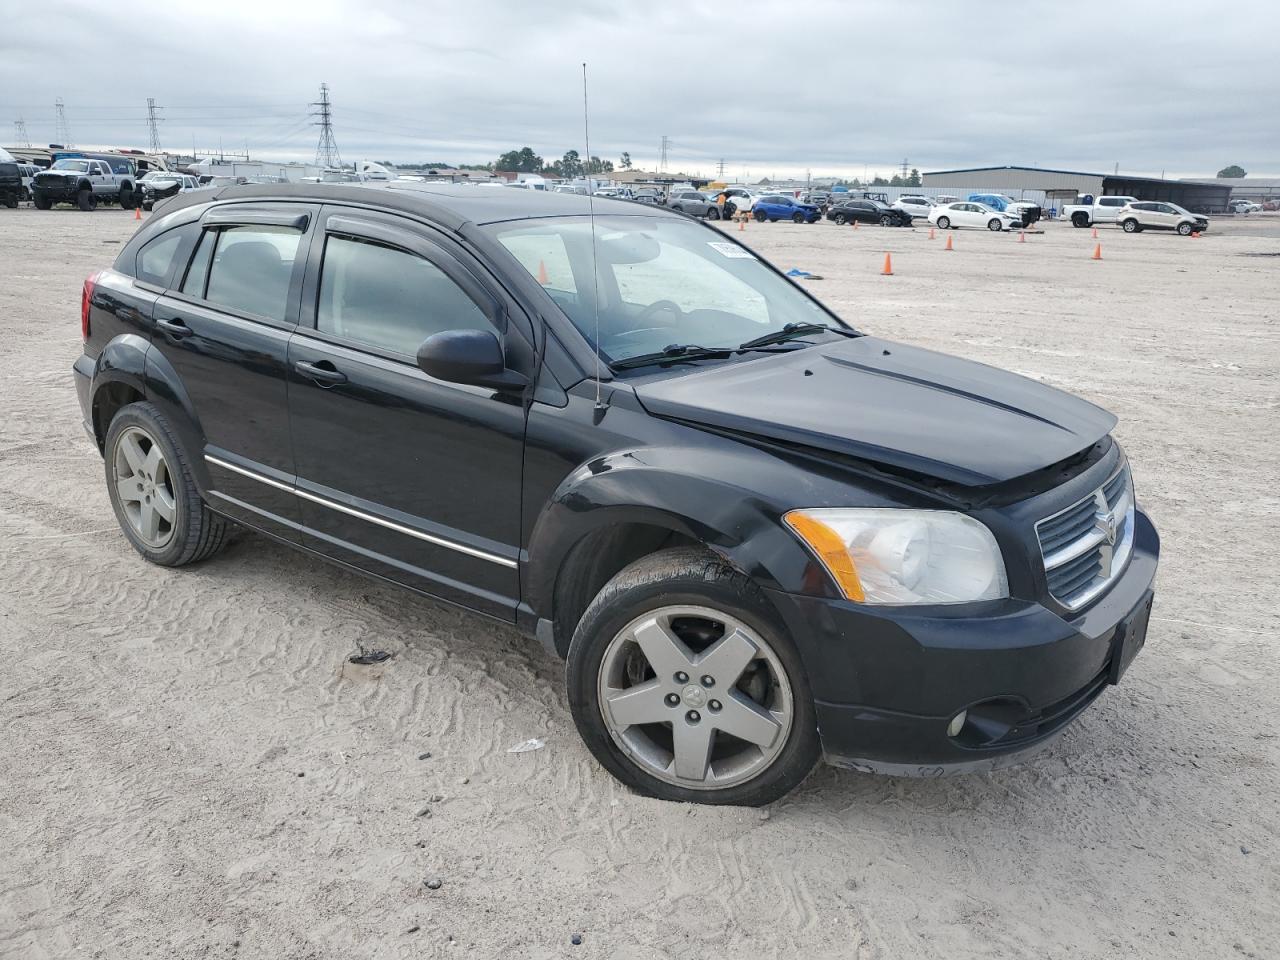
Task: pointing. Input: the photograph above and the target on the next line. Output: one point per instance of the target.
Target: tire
(147, 205)
(840, 219)
(193, 532)
(85, 199)
(994, 225)
(1130, 226)
(759, 215)
(692, 587)
(11, 201)
(713, 213)
(1079, 219)
(886, 220)
(944, 223)
(797, 218)
(1184, 230)
(127, 201)
(41, 201)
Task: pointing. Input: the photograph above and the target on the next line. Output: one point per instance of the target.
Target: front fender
(662, 487)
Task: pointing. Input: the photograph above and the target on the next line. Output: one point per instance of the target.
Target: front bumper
(62, 188)
(888, 681)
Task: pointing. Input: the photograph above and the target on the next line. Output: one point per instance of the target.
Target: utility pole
(662, 153)
(62, 129)
(20, 138)
(327, 149)
(153, 119)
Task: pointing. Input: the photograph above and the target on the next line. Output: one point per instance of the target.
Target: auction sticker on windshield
(731, 250)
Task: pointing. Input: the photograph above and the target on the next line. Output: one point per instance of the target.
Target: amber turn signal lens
(830, 549)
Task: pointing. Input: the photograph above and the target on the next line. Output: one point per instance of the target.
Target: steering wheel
(657, 305)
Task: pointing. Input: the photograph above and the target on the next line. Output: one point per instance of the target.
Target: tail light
(86, 301)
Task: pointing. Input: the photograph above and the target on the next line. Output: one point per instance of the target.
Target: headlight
(904, 556)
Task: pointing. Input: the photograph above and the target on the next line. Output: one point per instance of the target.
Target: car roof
(449, 204)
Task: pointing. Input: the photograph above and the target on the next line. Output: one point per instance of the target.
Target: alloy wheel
(695, 697)
(144, 487)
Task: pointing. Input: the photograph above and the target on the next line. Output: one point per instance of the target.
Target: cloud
(831, 86)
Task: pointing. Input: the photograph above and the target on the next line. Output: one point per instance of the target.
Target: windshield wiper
(791, 331)
(674, 353)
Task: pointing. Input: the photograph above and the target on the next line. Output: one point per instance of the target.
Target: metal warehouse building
(1063, 186)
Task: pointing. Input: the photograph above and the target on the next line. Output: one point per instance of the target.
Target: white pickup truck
(1102, 210)
(86, 181)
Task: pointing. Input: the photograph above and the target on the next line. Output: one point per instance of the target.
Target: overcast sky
(770, 88)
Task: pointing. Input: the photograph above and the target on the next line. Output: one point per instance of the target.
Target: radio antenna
(591, 215)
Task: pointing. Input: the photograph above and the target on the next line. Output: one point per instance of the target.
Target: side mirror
(468, 356)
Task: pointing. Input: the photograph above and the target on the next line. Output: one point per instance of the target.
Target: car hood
(61, 173)
(899, 406)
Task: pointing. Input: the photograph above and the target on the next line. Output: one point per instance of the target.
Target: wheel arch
(608, 515)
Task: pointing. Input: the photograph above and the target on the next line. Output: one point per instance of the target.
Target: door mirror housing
(468, 356)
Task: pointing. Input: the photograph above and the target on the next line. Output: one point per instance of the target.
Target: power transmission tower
(20, 138)
(662, 153)
(720, 169)
(327, 149)
(904, 168)
(153, 119)
(62, 129)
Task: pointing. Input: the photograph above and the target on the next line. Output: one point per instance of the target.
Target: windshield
(659, 280)
(79, 166)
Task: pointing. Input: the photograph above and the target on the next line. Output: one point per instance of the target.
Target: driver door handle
(322, 372)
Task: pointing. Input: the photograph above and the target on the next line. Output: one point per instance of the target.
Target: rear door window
(251, 269)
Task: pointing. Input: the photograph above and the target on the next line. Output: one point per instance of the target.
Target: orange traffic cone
(1022, 236)
(949, 247)
(742, 224)
(137, 213)
(1097, 252)
(542, 273)
(855, 224)
(1095, 233)
(1196, 234)
(932, 235)
(888, 266)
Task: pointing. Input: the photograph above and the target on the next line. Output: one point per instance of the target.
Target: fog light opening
(957, 723)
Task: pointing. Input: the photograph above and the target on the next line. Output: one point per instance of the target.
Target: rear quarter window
(155, 259)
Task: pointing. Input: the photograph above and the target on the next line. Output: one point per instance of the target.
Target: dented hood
(900, 406)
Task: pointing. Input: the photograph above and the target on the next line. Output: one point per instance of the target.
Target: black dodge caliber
(757, 535)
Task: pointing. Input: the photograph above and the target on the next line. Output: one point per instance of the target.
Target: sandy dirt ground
(191, 769)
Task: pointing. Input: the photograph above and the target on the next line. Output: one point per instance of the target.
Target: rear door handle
(175, 328)
(322, 372)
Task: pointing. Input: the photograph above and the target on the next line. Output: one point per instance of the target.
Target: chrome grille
(1088, 544)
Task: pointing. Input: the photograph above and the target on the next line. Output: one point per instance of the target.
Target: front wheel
(886, 220)
(1184, 229)
(685, 685)
(713, 213)
(127, 201)
(944, 223)
(840, 219)
(760, 217)
(994, 225)
(1130, 226)
(797, 218)
(153, 493)
(86, 200)
(41, 201)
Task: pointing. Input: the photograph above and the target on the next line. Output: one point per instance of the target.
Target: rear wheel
(994, 225)
(85, 199)
(1079, 219)
(153, 493)
(944, 223)
(684, 684)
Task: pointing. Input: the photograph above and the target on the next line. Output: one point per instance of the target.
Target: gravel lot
(191, 768)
